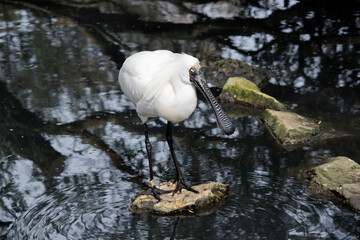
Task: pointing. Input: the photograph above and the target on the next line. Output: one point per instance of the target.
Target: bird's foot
(182, 184)
(153, 190)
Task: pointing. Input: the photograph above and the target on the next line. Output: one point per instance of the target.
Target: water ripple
(80, 206)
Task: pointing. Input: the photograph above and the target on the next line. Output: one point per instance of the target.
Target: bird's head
(197, 78)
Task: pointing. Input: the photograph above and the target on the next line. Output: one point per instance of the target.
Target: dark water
(71, 145)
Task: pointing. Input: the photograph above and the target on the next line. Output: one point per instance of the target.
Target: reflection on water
(54, 72)
(72, 151)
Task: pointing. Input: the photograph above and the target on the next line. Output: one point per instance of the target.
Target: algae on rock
(243, 91)
(289, 127)
(338, 178)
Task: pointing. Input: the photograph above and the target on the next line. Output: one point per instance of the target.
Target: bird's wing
(142, 79)
(159, 80)
(131, 85)
(145, 75)
(138, 76)
(134, 87)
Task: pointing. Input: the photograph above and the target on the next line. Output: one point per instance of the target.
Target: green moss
(240, 90)
(240, 83)
(337, 172)
(290, 127)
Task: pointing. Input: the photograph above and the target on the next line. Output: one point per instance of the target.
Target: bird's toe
(155, 192)
(182, 184)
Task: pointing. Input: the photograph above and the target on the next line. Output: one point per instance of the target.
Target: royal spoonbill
(162, 84)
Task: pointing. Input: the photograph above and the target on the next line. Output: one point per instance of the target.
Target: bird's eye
(192, 71)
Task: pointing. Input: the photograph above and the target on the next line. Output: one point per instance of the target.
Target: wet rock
(240, 90)
(220, 71)
(184, 202)
(338, 178)
(289, 127)
(293, 130)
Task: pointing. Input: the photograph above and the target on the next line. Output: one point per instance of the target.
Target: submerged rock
(338, 178)
(184, 202)
(243, 91)
(289, 127)
(220, 71)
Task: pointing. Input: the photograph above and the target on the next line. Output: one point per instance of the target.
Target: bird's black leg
(151, 183)
(148, 150)
(181, 183)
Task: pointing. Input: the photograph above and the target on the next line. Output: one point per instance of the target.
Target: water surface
(72, 152)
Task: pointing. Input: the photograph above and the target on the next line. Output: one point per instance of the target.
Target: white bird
(162, 84)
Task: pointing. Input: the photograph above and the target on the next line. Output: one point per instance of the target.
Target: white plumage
(158, 84)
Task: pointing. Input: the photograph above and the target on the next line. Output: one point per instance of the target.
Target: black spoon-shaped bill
(223, 121)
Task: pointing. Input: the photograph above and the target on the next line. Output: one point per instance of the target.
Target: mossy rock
(289, 127)
(220, 71)
(242, 91)
(338, 178)
(181, 203)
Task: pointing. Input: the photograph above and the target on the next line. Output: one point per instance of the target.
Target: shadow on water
(71, 145)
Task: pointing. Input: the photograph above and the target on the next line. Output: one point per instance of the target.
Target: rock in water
(290, 128)
(218, 72)
(242, 91)
(293, 130)
(339, 178)
(183, 202)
